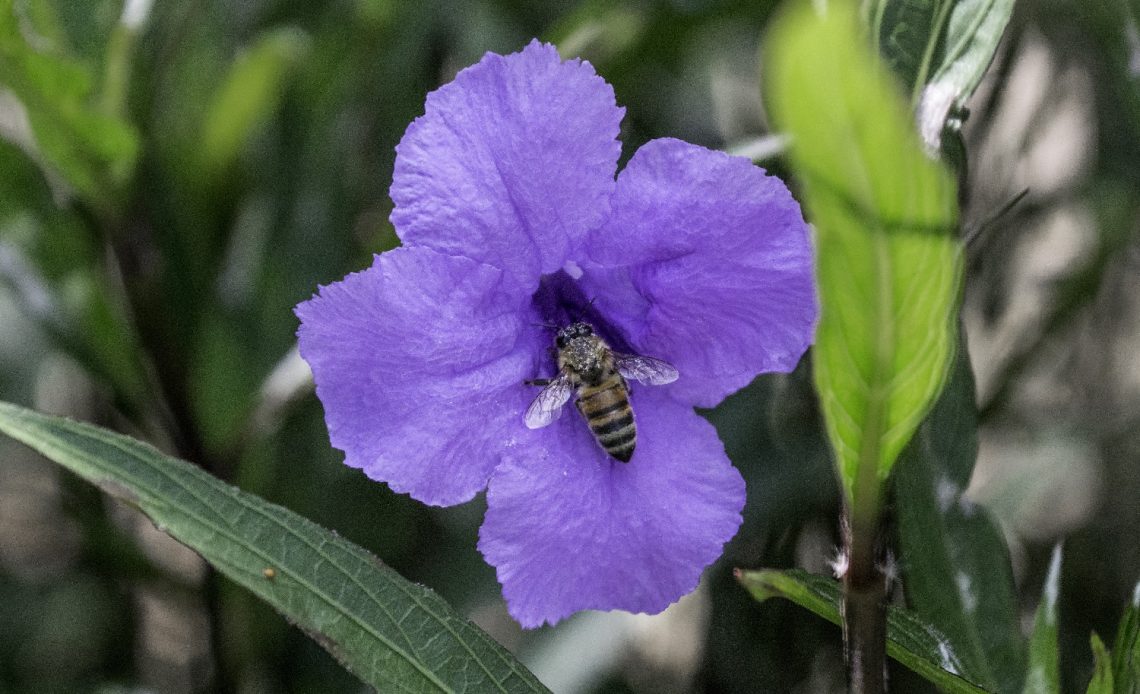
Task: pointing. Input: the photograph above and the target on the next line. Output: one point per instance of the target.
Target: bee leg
(538, 382)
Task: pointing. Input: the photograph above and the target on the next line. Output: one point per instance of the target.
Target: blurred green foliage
(169, 190)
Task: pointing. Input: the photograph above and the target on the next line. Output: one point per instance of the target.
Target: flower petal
(419, 362)
(511, 164)
(707, 263)
(569, 528)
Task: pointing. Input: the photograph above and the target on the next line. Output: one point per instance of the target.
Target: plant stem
(864, 611)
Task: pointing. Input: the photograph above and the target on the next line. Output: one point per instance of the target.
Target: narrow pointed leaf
(955, 564)
(248, 95)
(910, 641)
(1043, 674)
(888, 267)
(394, 635)
(1126, 648)
(1101, 682)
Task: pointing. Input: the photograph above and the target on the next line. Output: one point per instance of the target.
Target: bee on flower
(690, 272)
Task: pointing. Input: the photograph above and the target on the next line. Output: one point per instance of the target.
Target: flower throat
(561, 302)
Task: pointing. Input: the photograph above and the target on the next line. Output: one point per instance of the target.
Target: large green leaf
(955, 564)
(94, 151)
(909, 640)
(1043, 672)
(394, 635)
(888, 266)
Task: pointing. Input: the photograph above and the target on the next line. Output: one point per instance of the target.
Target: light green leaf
(888, 267)
(954, 561)
(94, 151)
(1043, 675)
(1101, 682)
(250, 93)
(394, 635)
(911, 642)
(1126, 648)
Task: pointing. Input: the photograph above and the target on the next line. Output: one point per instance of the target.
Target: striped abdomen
(605, 405)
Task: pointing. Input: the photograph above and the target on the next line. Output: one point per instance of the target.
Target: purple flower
(512, 222)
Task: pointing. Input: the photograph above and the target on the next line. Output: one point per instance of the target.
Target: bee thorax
(583, 355)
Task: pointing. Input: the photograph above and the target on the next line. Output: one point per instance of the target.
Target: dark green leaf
(909, 640)
(955, 564)
(972, 36)
(1101, 682)
(1043, 674)
(887, 265)
(939, 49)
(1126, 648)
(394, 635)
(906, 33)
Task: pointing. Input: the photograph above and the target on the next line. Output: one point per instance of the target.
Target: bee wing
(547, 407)
(645, 370)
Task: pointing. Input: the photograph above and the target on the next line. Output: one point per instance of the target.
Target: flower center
(560, 301)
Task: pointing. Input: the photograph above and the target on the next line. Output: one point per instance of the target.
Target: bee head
(574, 330)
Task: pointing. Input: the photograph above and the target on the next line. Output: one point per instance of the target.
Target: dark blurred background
(147, 281)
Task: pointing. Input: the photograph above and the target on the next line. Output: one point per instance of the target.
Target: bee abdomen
(614, 428)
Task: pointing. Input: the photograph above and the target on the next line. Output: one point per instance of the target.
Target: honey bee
(588, 367)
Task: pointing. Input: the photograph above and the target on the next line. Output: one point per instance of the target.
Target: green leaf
(887, 265)
(954, 560)
(94, 151)
(1043, 674)
(939, 49)
(909, 640)
(972, 37)
(394, 635)
(1126, 648)
(906, 34)
(1101, 682)
(949, 42)
(250, 93)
